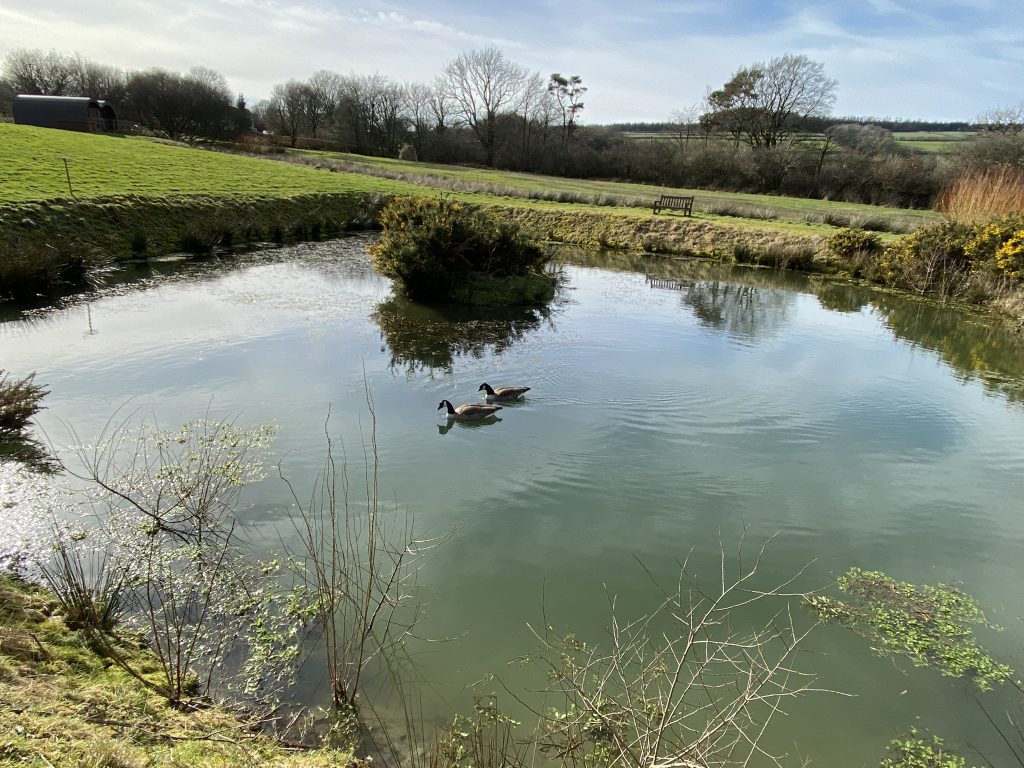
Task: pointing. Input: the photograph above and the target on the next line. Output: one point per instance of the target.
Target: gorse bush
(1000, 245)
(850, 244)
(434, 247)
(957, 259)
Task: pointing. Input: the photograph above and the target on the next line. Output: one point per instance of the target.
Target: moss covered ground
(62, 704)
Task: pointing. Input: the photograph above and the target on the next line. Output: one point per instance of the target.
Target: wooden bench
(674, 203)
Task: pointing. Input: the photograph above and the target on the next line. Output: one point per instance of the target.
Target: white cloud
(911, 58)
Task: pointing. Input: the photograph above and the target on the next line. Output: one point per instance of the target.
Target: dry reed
(979, 195)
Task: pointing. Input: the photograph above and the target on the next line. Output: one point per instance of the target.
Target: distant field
(942, 142)
(32, 169)
(605, 193)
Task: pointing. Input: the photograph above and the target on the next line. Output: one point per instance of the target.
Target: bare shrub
(679, 686)
(359, 572)
(165, 503)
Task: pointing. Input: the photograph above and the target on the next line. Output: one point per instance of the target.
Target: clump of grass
(871, 223)
(761, 214)
(90, 590)
(837, 219)
(139, 241)
(774, 255)
(979, 195)
(722, 209)
(654, 244)
(28, 268)
(195, 242)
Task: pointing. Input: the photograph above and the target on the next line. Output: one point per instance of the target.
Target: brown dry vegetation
(985, 193)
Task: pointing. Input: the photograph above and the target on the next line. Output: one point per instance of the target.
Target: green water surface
(676, 407)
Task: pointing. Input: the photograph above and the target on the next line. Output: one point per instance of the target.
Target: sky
(642, 60)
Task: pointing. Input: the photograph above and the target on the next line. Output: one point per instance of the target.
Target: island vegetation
(443, 251)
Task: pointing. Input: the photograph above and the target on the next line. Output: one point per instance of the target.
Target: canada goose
(502, 393)
(469, 411)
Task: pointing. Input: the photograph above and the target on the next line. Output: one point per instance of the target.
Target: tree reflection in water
(430, 337)
(749, 302)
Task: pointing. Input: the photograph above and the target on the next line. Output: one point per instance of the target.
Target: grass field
(32, 170)
(766, 210)
(939, 142)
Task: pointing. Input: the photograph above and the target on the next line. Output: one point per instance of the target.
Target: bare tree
(441, 107)
(37, 73)
(765, 104)
(417, 110)
(684, 126)
(182, 106)
(481, 85)
(285, 111)
(1001, 139)
(369, 112)
(536, 108)
(321, 96)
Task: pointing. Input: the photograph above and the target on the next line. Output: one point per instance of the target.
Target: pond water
(675, 407)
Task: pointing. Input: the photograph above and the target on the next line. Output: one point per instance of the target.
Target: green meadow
(767, 210)
(32, 169)
(939, 142)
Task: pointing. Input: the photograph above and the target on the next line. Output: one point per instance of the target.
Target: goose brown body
(502, 393)
(468, 411)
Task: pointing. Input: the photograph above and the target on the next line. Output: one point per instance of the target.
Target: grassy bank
(63, 704)
(131, 197)
(136, 198)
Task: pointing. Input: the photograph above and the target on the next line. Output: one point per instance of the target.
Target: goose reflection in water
(444, 429)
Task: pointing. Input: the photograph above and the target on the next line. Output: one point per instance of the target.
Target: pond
(676, 408)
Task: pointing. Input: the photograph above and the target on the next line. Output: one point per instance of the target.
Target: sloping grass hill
(32, 169)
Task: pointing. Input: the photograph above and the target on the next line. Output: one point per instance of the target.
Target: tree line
(767, 129)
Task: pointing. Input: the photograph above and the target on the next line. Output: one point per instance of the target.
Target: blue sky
(642, 60)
